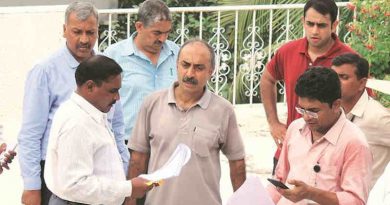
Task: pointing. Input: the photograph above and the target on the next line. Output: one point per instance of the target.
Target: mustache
(191, 80)
(85, 45)
(159, 43)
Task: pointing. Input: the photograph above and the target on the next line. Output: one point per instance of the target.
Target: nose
(163, 37)
(117, 96)
(190, 72)
(315, 29)
(84, 38)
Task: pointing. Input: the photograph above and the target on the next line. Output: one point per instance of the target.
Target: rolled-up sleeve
(356, 175)
(36, 108)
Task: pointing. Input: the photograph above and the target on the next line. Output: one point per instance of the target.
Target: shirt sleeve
(118, 126)
(275, 66)
(233, 148)
(36, 108)
(78, 182)
(139, 140)
(282, 168)
(356, 175)
(380, 193)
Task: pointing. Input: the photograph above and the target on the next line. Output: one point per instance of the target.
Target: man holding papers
(83, 164)
(325, 158)
(188, 113)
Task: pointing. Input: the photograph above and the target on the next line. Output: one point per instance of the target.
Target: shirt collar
(130, 48)
(303, 49)
(203, 102)
(69, 58)
(86, 106)
(360, 105)
(333, 133)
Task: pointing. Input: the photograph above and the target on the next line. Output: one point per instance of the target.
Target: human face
(194, 68)
(326, 115)
(151, 38)
(80, 36)
(351, 86)
(103, 97)
(318, 28)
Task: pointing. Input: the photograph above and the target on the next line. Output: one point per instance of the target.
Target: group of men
(82, 108)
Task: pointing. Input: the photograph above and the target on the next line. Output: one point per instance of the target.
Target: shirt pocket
(328, 177)
(203, 141)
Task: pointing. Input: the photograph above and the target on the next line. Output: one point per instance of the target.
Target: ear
(139, 25)
(90, 85)
(362, 84)
(303, 20)
(63, 30)
(336, 105)
(334, 26)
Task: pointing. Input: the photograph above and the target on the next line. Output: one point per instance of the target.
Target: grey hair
(152, 11)
(203, 42)
(83, 10)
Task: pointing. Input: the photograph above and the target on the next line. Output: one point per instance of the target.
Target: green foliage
(371, 34)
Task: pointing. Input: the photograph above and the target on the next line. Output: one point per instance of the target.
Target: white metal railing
(239, 65)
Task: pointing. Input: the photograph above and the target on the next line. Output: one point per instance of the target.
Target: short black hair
(319, 83)
(323, 7)
(97, 68)
(360, 63)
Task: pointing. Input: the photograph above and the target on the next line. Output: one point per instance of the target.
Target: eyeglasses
(302, 111)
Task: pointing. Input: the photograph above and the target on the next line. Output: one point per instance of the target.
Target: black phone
(277, 183)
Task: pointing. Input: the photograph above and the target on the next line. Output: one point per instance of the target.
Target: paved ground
(258, 145)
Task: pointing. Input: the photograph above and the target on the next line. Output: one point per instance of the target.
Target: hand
(278, 132)
(139, 187)
(31, 197)
(9, 156)
(299, 192)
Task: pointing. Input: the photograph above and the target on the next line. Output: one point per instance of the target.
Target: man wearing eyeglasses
(325, 156)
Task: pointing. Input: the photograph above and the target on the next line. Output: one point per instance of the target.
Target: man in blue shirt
(147, 58)
(50, 83)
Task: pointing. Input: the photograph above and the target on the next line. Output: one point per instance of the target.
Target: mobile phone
(2, 155)
(277, 183)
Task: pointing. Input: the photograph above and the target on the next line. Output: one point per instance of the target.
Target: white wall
(25, 38)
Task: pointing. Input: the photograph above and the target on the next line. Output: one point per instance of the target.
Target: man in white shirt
(83, 164)
(368, 114)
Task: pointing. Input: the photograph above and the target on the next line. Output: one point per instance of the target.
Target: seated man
(325, 156)
(83, 164)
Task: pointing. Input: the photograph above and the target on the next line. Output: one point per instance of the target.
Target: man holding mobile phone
(325, 156)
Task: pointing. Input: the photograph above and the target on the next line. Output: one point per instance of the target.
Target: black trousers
(45, 192)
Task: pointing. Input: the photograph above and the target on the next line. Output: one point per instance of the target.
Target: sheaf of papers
(252, 192)
(173, 166)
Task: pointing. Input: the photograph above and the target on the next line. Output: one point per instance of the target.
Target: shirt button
(310, 64)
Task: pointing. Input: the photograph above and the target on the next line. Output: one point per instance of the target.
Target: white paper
(173, 166)
(252, 192)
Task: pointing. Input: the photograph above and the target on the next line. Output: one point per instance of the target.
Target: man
(319, 46)
(148, 59)
(325, 156)
(368, 114)
(83, 164)
(188, 113)
(50, 83)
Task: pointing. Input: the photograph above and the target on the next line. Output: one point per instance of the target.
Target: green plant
(370, 36)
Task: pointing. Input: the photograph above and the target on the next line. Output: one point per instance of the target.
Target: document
(252, 192)
(172, 167)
